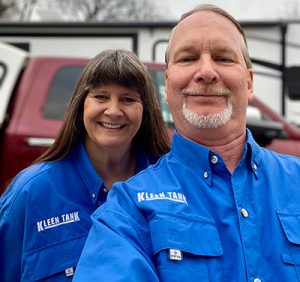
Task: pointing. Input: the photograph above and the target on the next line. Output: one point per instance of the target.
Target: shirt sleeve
(118, 247)
(11, 235)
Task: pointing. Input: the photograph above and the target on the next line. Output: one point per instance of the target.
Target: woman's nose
(113, 108)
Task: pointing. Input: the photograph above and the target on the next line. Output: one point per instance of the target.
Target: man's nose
(206, 71)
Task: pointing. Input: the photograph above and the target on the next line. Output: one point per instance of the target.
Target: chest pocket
(186, 249)
(291, 226)
(54, 263)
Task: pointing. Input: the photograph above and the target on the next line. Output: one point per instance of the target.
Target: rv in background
(274, 48)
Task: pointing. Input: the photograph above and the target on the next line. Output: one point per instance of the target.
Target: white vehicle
(275, 52)
(274, 49)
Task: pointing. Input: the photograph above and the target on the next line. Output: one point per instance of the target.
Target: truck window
(2, 72)
(292, 81)
(159, 81)
(61, 91)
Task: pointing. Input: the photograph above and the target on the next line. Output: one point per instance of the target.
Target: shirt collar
(89, 176)
(193, 155)
(254, 153)
(143, 160)
(199, 157)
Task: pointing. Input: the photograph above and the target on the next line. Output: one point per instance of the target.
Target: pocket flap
(195, 236)
(54, 259)
(291, 225)
(291, 258)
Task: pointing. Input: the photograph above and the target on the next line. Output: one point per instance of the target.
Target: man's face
(208, 84)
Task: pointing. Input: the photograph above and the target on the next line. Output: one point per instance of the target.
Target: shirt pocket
(54, 263)
(291, 226)
(186, 249)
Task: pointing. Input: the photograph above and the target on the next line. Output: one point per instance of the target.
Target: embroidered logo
(56, 221)
(171, 196)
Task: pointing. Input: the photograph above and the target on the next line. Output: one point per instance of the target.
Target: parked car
(34, 93)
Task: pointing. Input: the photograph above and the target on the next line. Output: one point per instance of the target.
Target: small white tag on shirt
(69, 271)
(175, 254)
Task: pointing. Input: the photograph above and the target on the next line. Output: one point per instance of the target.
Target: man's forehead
(221, 30)
(205, 19)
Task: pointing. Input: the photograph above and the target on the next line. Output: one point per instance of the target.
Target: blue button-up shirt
(187, 218)
(45, 217)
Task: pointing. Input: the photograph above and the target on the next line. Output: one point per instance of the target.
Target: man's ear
(166, 87)
(250, 84)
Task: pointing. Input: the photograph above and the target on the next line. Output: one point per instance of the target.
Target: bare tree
(17, 9)
(27, 7)
(85, 10)
(110, 10)
(6, 6)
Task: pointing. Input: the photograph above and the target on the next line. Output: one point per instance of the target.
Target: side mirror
(264, 131)
(292, 75)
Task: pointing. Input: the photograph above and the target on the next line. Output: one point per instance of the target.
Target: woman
(113, 128)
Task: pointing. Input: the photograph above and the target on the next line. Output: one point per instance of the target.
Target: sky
(240, 9)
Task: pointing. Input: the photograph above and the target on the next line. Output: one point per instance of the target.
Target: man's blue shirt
(188, 219)
(45, 217)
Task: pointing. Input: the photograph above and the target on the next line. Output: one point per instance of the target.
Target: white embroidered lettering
(171, 196)
(40, 226)
(56, 221)
(141, 196)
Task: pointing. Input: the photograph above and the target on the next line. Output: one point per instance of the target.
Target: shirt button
(94, 196)
(214, 159)
(256, 280)
(255, 168)
(105, 190)
(205, 174)
(245, 214)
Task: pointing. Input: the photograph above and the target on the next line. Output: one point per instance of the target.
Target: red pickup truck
(35, 91)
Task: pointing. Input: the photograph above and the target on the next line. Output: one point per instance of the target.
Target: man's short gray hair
(217, 10)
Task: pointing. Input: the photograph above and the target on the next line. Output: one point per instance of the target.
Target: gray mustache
(206, 90)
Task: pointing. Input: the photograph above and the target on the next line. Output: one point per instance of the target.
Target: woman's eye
(128, 100)
(101, 98)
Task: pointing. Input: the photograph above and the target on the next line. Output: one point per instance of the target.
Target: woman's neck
(112, 165)
(116, 169)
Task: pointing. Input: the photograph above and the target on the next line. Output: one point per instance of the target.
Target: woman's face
(112, 116)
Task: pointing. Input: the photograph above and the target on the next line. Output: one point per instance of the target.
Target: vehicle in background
(274, 47)
(34, 92)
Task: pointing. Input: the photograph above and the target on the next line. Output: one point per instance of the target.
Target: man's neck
(231, 152)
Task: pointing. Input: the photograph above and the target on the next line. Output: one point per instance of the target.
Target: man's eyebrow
(186, 48)
(223, 49)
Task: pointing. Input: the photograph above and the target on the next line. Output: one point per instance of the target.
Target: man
(217, 207)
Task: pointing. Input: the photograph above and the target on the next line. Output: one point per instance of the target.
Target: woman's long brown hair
(121, 67)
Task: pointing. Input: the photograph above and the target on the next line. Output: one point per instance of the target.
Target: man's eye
(186, 59)
(223, 59)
